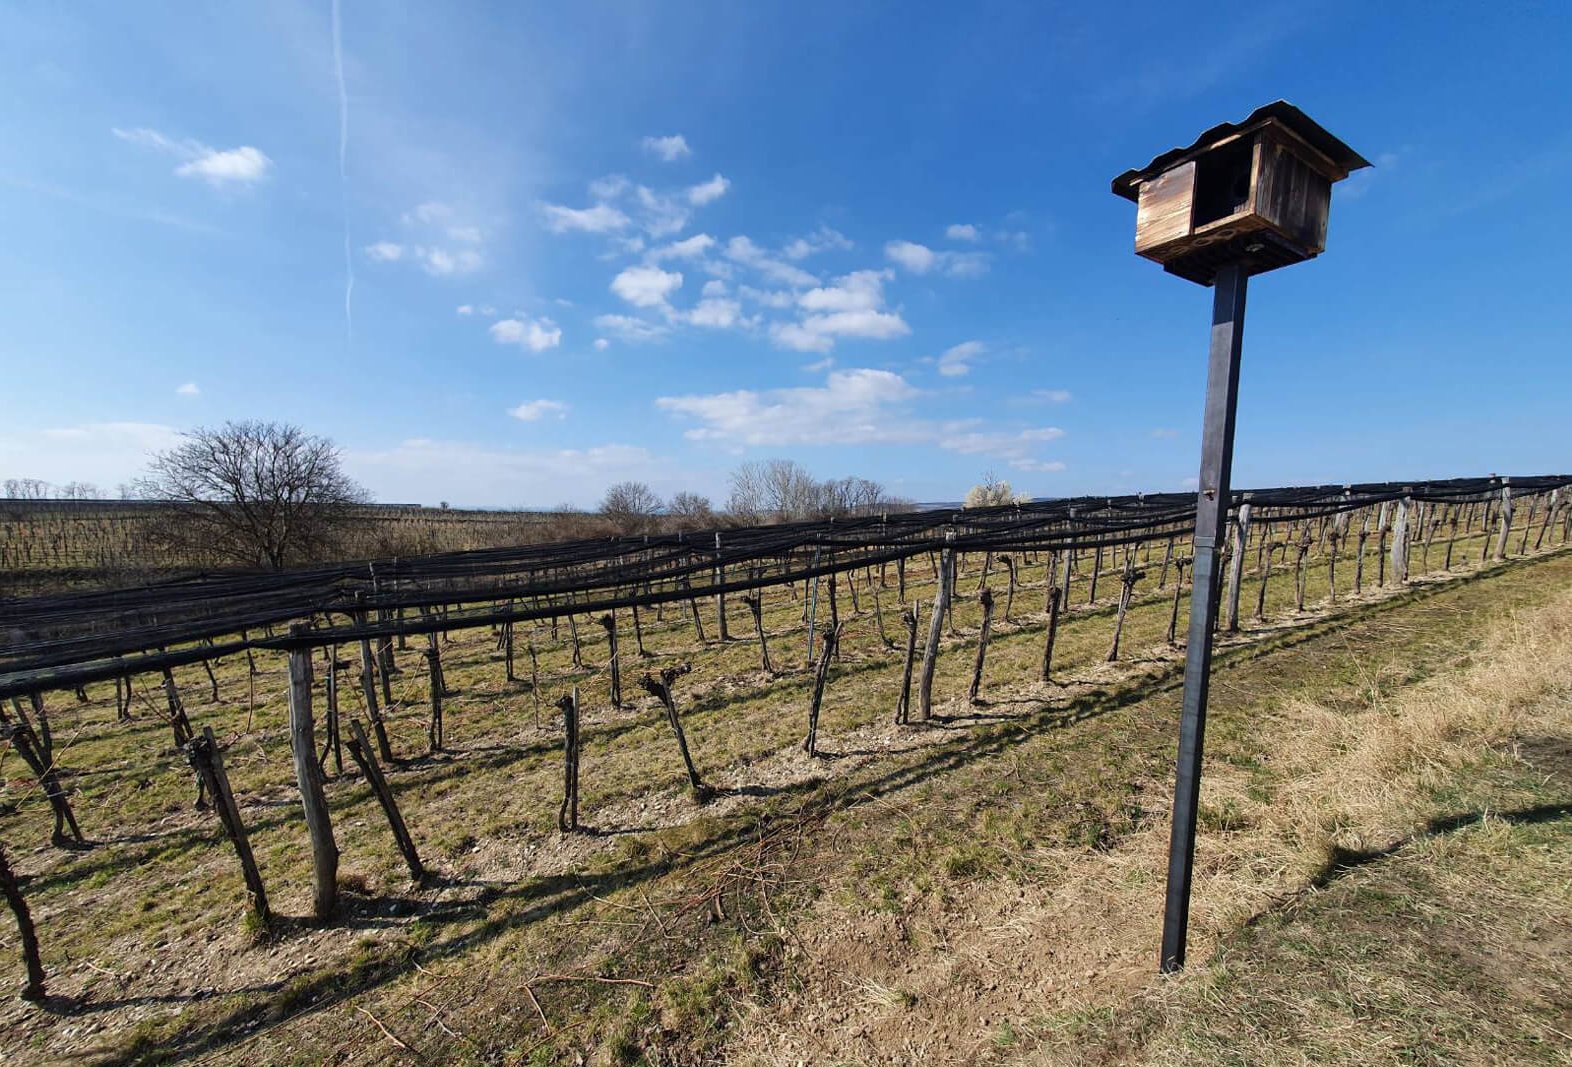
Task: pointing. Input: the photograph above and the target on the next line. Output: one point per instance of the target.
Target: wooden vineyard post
(1132, 574)
(434, 659)
(1054, 597)
(903, 705)
(1550, 513)
(361, 751)
(573, 635)
(568, 812)
(638, 634)
(1381, 531)
(608, 622)
(756, 609)
(308, 777)
(1097, 569)
(208, 762)
(1505, 519)
(1266, 574)
(12, 891)
(507, 650)
(368, 689)
(332, 744)
(821, 678)
(1168, 555)
(1009, 596)
(660, 688)
(1359, 552)
(1300, 572)
(930, 655)
(1334, 538)
(810, 602)
(985, 598)
(179, 723)
(720, 595)
(1241, 532)
(1400, 540)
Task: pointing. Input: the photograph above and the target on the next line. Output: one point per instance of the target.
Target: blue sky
(590, 242)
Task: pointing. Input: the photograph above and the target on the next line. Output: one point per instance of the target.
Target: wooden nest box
(1256, 192)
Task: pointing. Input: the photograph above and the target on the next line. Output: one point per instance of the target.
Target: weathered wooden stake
(821, 677)
(608, 622)
(1506, 518)
(434, 659)
(1132, 574)
(568, 812)
(756, 609)
(361, 751)
(1241, 532)
(208, 762)
(308, 776)
(985, 598)
(368, 689)
(1054, 599)
(930, 655)
(903, 705)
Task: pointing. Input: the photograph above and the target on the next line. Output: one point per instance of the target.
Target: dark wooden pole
(361, 751)
(208, 761)
(985, 598)
(1217, 453)
(903, 706)
(1055, 595)
(308, 776)
(821, 678)
(608, 623)
(568, 812)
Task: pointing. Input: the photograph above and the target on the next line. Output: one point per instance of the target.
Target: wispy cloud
(188, 389)
(535, 410)
(670, 148)
(216, 166)
(536, 335)
(920, 259)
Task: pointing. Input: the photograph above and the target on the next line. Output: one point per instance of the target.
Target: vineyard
(540, 736)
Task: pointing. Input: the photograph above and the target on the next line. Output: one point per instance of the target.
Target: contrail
(343, 172)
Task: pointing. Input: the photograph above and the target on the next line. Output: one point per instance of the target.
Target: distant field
(48, 545)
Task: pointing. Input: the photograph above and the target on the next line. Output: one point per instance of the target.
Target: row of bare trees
(776, 490)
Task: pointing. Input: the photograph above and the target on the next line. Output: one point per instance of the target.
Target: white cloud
(430, 213)
(1050, 396)
(705, 192)
(920, 259)
(188, 389)
(691, 248)
(714, 287)
(610, 187)
(716, 313)
(466, 309)
(385, 252)
(852, 307)
(537, 335)
(465, 234)
(646, 287)
(244, 164)
(853, 407)
(867, 323)
(771, 298)
(1165, 434)
(823, 239)
(670, 148)
(628, 328)
(858, 291)
(799, 338)
(742, 250)
(961, 231)
(535, 410)
(442, 262)
(601, 344)
(660, 215)
(1038, 466)
(216, 166)
(956, 359)
(600, 218)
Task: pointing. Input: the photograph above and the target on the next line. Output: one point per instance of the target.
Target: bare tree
(262, 494)
(630, 507)
(690, 511)
(746, 502)
(28, 489)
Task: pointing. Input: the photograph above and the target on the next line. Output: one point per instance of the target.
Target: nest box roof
(1128, 184)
